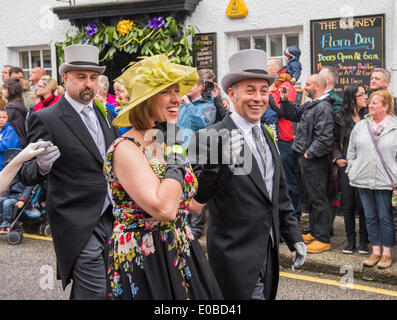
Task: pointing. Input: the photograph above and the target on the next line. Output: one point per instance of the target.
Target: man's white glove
(232, 142)
(48, 157)
(236, 145)
(300, 255)
(30, 151)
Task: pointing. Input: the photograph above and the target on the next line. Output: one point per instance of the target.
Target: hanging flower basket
(158, 36)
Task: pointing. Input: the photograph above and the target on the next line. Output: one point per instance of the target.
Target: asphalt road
(28, 272)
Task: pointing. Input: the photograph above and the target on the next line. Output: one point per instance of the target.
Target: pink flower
(147, 244)
(116, 185)
(121, 240)
(150, 224)
(188, 177)
(189, 233)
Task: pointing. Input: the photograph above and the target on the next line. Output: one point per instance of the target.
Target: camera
(208, 86)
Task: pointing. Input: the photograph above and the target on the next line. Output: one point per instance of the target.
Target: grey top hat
(81, 57)
(247, 64)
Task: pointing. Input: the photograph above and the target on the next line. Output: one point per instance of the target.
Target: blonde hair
(50, 83)
(141, 115)
(60, 90)
(103, 82)
(387, 99)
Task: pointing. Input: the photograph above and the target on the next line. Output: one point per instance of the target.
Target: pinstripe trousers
(89, 272)
(266, 283)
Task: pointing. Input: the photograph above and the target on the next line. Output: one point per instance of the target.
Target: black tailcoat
(241, 215)
(76, 183)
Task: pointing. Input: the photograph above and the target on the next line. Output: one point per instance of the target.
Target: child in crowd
(15, 196)
(8, 137)
(293, 67)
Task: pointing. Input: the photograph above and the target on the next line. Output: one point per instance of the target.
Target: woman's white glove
(30, 151)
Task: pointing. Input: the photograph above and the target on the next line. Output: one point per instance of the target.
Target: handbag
(394, 196)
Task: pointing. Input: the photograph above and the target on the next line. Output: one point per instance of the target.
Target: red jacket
(285, 129)
(46, 102)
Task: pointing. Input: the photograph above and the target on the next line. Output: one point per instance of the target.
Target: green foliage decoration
(158, 36)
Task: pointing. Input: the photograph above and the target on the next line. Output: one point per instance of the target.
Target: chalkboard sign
(300, 96)
(354, 46)
(206, 57)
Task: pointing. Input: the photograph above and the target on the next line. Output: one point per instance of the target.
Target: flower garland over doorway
(158, 36)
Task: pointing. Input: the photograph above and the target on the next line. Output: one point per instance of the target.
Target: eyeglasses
(361, 95)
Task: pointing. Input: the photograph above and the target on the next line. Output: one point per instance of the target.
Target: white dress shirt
(246, 128)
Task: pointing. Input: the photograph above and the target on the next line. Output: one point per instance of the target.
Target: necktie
(256, 131)
(91, 122)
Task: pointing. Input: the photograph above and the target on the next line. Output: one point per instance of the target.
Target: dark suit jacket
(241, 215)
(76, 183)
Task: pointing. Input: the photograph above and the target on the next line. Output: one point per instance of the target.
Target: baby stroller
(32, 215)
(31, 218)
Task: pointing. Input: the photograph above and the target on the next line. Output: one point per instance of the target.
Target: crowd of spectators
(326, 165)
(332, 158)
(20, 97)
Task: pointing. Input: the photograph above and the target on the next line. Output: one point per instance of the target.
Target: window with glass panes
(29, 59)
(273, 44)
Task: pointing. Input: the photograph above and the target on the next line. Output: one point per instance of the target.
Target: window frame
(29, 49)
(267, 33)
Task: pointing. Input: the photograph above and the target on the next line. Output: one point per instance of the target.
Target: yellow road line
(289, 275)
(35, 236)
(339, 284)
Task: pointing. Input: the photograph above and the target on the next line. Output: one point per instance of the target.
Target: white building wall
(28, 24)
(31, 23)
(265, 15)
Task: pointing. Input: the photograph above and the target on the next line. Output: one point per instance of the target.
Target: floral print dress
(152, 259)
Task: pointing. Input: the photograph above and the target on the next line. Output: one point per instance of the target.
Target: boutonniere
(271, 130)
(102, 109)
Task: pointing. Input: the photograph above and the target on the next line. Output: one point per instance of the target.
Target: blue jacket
(195, 115)
(294, 67)
(114, 113)
(17, 190)
(8, 139)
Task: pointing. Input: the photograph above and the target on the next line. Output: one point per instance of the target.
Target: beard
(86, 96)
(311, 93)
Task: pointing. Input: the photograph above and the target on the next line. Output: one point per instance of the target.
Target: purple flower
(156, 23)
(91, 29)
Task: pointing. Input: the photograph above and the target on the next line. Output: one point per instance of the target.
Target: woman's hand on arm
(11, 170)
(159, 199)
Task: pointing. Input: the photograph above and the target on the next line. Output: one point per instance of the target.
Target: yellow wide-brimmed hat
(149, 76)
